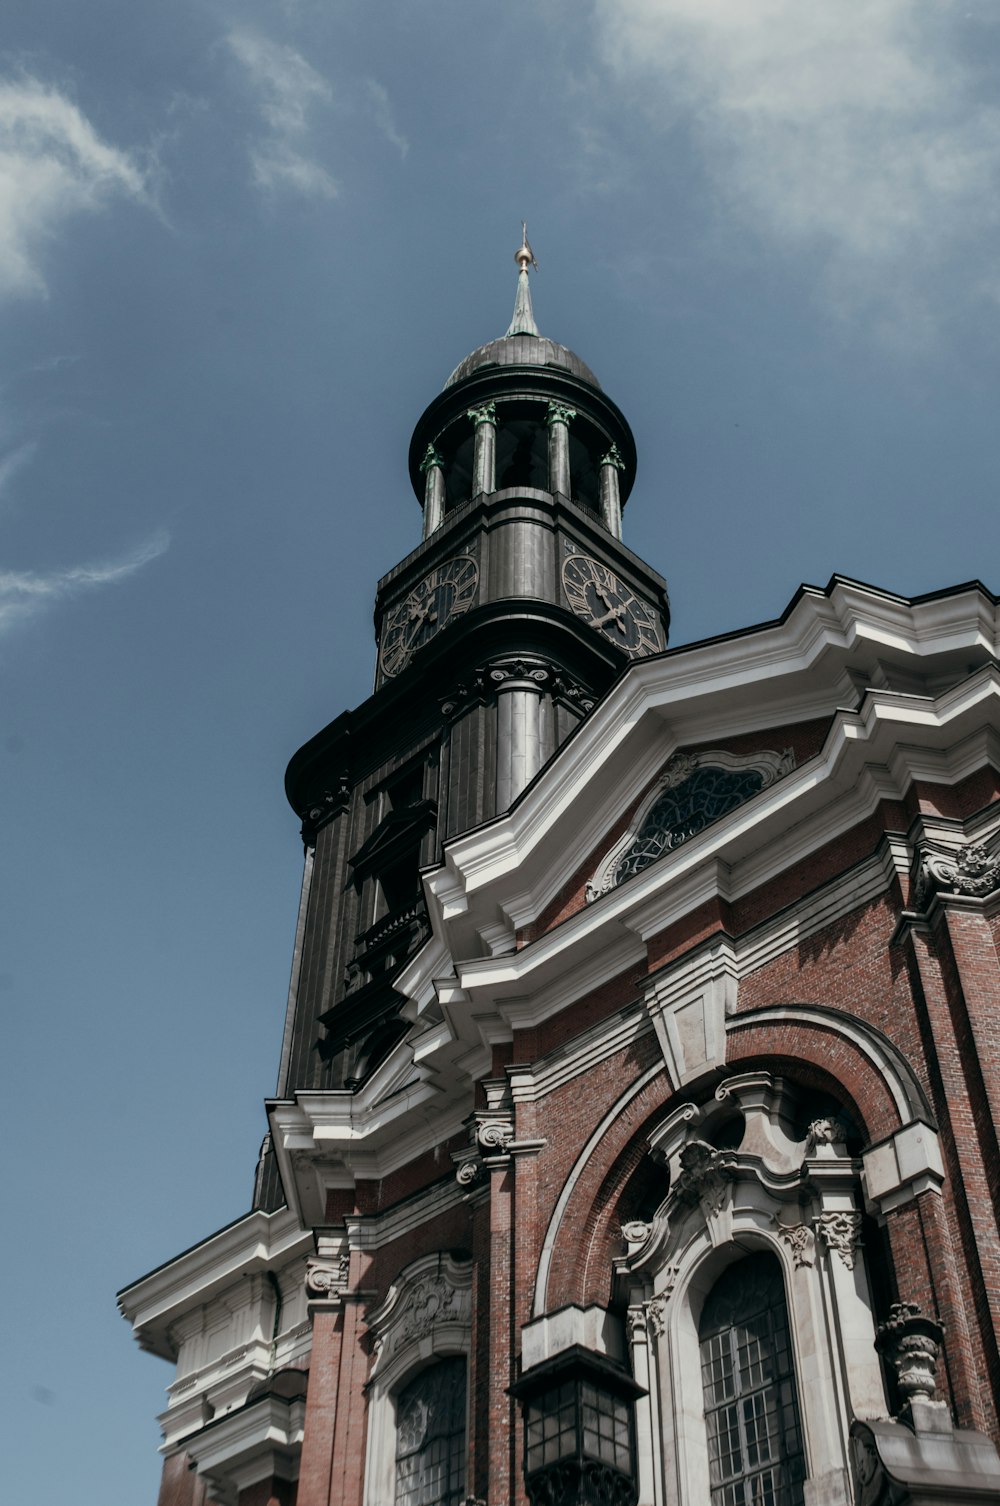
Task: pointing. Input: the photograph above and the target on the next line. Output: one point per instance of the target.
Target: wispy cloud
(852, 129)
(25, 594)
(381, 106)
(53, 164)
(286, 88)
(14, 461)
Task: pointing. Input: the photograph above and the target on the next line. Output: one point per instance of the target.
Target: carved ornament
(971, 870)
(431, 457)
(911, 1343)
(558, 413)
(613, 458)
(326, 1280)
(705, 1175)
(800, 1240)
(486, 413)
(825, 1132)
(840, 1233)
(430, 1300)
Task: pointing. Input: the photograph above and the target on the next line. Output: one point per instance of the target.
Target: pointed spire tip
(523, 322)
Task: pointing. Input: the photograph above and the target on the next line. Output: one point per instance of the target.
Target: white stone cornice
(805, 655)
(259, 1241)
(261, 1440)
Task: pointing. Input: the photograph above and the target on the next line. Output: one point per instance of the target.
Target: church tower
(496, 636)
(635, 1138)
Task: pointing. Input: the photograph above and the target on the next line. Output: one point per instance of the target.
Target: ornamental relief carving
(694, 791)
(436, 1292)
(327, 1279)
(801, 1242)
(971, 870)
(841, 1234)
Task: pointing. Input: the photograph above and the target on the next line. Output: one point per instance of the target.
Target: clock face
(434, 601)
(597, 595)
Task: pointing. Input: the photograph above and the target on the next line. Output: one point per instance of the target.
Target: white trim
(262, 1440)
(258, 1242)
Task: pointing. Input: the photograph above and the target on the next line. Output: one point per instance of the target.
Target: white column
(484, 464)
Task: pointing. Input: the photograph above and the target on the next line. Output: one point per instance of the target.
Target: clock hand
(614, 615)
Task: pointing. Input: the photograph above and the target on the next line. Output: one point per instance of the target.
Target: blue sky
(241, 247)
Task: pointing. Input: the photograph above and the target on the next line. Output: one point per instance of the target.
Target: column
(559, 419)
(484, 464)
(610, 496)
(432, 468)
(524, 731)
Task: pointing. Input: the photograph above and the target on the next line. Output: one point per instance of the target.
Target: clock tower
(498, 633)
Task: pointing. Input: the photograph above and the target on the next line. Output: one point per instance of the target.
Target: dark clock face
(445, 593)
(597, 595)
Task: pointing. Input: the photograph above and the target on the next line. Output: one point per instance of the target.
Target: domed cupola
(523, 412)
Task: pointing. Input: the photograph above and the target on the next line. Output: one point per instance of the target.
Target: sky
(241, 248)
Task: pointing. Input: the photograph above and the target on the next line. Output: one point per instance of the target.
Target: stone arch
(814, 1044)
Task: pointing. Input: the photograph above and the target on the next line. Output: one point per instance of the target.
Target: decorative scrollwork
(800, 1240)
(486, 413)
(613, 458)
(327, 1279)
(494, 1135)
(841, 1233)
(971, 870)
(431, 457)
(558, 413)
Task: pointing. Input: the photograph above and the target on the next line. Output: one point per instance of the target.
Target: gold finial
(524, 256)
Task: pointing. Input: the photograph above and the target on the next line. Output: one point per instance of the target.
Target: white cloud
(384, 118)
(24, 594)
(53, 165)
(14, 461)
(285, 87)
(852, 128)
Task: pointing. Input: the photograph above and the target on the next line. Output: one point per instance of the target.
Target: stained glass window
(430, 1437)
(751, 1409)
(684, 810)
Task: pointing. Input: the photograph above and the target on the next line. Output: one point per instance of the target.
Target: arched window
(430, 1437)
(751, 1410)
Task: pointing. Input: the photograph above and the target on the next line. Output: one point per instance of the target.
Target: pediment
(398, 832)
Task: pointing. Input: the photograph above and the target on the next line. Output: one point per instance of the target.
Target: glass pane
(430, 1437)
(682, 812)
(751, 1409)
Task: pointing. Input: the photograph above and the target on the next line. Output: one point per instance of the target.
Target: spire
(523, 322)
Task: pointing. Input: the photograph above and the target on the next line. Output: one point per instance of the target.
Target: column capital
(486, 413)
(559, 413)
(613, 458)
(431, 457)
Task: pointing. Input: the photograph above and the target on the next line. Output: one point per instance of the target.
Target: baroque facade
(636, 1131)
